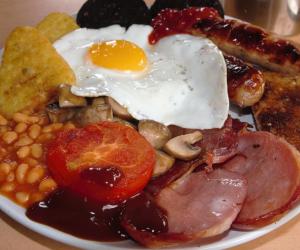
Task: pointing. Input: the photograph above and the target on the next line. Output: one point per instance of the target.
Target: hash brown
(30, 72)
(56, 25)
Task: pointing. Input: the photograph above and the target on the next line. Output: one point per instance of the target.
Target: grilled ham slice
(271, 167)
(198, 205)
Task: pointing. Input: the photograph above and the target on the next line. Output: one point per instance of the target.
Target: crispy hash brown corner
(30, 72)
(56, 25)
(279, 109)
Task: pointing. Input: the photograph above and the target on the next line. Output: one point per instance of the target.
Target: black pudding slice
(101, 13)
(181, 4)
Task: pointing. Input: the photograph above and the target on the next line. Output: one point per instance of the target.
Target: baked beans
(24, 177)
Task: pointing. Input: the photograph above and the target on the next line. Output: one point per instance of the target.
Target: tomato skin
(115, 154)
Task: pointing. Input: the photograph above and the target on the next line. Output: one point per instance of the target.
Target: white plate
(231, 239)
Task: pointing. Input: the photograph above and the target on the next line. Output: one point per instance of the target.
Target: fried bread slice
(279, 109)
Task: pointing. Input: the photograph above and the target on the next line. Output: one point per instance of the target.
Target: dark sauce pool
(83, 218)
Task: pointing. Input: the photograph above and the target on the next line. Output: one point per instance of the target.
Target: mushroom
(163, 163)
(181, 147)
(118, 109)
(66, 99)
(98, 101)
(94, 114)
(155, 133)
(57, 114)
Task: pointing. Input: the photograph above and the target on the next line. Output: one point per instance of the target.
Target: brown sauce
(83, 218)
(78, 216)
(104, 176)
(143, 214)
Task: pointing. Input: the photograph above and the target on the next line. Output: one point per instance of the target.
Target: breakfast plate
(226, 240)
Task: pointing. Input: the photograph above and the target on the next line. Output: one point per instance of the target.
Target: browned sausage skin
(245, 83)
(234, 37)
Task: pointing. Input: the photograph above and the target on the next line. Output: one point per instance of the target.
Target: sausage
(245, 83)
(251, 43)
(234, 37)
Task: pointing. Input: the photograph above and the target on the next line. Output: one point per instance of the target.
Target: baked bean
(22, 197)
(31, 162)
(33, 119)
(69, 125)
(21, 172)
(52, 127)
(23, 152)
(4, 168)
(8, 187)
(9, 137)
(3, 129)
(20, 117)
(47, 185)
(23, 141)
(34, 131)
(43, 120)
(3, 121)
(36, 150)
(44, 137)
(10, 177)
(21, 127)
(35, 174)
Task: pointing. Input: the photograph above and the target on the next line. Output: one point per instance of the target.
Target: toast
(279, 109)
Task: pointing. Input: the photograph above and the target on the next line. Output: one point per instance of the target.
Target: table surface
(14, 236)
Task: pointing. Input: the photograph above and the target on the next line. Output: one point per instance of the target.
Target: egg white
(184, 84)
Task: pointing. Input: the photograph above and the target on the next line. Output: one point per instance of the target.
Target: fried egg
(181, 80)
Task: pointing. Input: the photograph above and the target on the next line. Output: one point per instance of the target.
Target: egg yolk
(118, 55)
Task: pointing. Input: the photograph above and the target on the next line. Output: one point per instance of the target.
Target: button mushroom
(118, 110)
(163, 163)
(66, 99)
(98, 101)
(155, 133)
(57, 114)
(181, 147)
(93, 114)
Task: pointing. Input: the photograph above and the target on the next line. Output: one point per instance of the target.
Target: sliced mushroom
(155, 133)
(118, 109)
(66, 99)
(94, 114)
(57, 114)
(163, 163)
(181, 147)
(98, 101)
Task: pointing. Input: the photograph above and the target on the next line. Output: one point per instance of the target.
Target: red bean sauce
(83, 218)
(208, 22)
